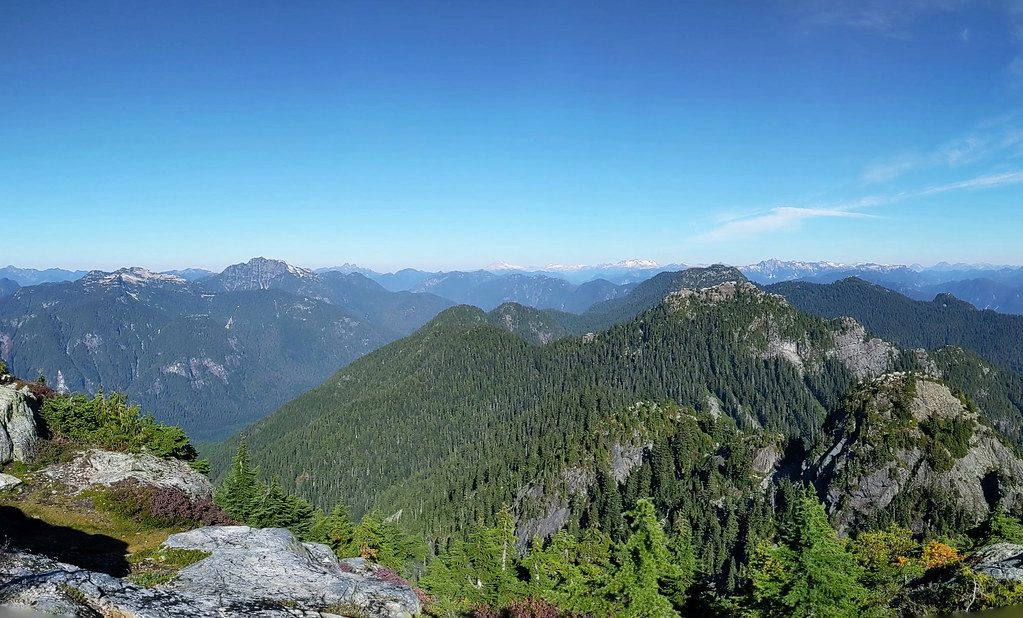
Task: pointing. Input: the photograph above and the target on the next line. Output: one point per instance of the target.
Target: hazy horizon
(504, 266)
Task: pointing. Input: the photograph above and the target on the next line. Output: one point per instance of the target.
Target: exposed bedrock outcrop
(99, 467)
(18, 429)
(250, 572)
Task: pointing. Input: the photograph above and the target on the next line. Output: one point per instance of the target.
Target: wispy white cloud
(987, 181)
(890, 170)
(987, 140)
(787, 218)
(890, 18)
(775, 219)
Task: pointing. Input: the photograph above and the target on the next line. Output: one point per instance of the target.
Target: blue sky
(450, 135)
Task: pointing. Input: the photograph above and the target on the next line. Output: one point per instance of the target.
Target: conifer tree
(1000, 527)
(385, 543)
(808, 573)
(270, 509)
(241, 489)
(682, 556)
(335, 530)
(646, 577)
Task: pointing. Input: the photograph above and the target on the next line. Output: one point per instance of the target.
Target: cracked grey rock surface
(18, 429)
(99, 467)
(264, 573)
(1002, 561)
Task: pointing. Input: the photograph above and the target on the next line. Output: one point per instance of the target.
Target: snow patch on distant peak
(502, 265)
(564, 267)
(132, 275)
(622, 265)
(635, 264)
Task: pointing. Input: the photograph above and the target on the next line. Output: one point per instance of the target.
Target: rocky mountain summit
(903, 440)
(261, 274)
(266, 573)
(772, 328)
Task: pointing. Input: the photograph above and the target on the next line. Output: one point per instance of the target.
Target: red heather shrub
(424, 599)
(41, 391)
(161, 506)
(533, 608)
(484, 611)
(390, 575)
(529, 607)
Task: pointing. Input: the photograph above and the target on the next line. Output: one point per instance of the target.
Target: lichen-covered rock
(18, 429)
(99, 467)
(1003, 561)
(8, 482)
(275, 566)
(262, 573)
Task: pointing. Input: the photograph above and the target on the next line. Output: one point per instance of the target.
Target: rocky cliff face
(262, 274)
(18, 431)
(266, 573)
(901, 441)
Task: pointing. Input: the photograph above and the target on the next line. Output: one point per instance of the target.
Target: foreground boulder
(280, 567)
(18, 429)
(99, 467)
(251, 572)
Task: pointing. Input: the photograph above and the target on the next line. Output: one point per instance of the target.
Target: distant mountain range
(214, 352)
(210, 355)
(31, 276)
(999, 288)
(574, 288)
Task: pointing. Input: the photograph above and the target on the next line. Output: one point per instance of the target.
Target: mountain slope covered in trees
(446, 425)
(911, 323)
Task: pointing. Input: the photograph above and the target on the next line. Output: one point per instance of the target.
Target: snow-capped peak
(133, 275)
(634, 264)
(502, 265)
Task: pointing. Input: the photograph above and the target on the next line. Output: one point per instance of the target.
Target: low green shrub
(110, 422)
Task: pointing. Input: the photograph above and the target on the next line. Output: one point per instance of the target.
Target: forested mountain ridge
(650, 292)
(7, 286)
(460, 391)
(704, 405)
(911, 323)
(194, 353)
